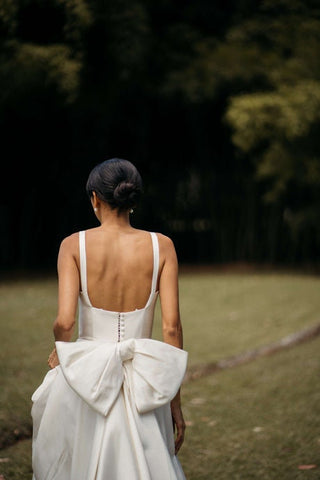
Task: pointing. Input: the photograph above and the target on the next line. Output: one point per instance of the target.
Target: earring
(95, 209)
(131, 210)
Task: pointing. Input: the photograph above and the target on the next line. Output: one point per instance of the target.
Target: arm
(171, 324)
(68, 278)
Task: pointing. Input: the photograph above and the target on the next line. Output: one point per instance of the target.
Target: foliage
(278, 124)
(270, 64)
(216, 103)
(31, 66)
(31, 60)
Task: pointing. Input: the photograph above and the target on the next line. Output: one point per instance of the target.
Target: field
(259, 421)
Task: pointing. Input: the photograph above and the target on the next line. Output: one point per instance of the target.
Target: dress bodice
(97, 323)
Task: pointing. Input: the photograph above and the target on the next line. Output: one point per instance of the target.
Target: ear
(95, 202)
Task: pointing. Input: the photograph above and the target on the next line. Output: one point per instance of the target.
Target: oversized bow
(96, 370)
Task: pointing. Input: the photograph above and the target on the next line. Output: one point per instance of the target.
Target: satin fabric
(104, 412)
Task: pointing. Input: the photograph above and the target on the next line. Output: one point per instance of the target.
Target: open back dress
(104, 412)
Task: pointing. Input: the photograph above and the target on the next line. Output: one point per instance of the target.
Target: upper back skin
(119, 268)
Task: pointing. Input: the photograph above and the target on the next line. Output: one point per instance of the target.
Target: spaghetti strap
(155, 246)
(83, 263)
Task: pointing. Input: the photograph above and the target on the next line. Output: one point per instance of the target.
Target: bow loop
(94, 369)
(126, 349)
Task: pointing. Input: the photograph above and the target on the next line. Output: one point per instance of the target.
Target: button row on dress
(121, 327)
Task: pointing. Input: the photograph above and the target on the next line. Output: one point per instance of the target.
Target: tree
(270, 67)
(216, 103)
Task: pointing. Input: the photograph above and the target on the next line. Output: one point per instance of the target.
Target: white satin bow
(96, 370)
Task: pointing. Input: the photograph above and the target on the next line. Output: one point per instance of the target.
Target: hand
(53, 360)
(178, 423)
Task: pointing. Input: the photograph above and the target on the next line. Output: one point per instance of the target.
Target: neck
(113, 218)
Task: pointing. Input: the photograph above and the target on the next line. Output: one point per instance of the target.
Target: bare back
(119, 268)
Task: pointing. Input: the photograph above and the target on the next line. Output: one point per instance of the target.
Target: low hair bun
(125, 195)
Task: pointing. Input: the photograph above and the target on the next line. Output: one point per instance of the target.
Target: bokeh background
(217, 103)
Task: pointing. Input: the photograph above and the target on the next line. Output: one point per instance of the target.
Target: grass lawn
(259, 421)
(227, 314)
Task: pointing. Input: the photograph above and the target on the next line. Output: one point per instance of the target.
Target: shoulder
(165, 241)
(70, 244)
(166, 246)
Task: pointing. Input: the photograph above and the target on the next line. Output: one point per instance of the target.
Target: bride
(109, 406)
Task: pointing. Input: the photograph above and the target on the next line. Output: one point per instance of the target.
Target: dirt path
(199, 371)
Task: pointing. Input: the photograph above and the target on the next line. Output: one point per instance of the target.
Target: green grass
(26, 311)
(17, 461)
(223, 314)
(256, 422)
(226, 314)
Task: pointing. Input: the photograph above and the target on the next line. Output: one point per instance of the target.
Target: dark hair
(116, 182)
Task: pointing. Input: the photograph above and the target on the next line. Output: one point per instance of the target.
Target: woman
(103, 410)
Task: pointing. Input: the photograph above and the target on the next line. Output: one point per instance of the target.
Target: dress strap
(155, 246)
(83, 262)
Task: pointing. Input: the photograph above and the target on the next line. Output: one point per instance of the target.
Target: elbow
(172, 331)
(173, 335)
(63, 327)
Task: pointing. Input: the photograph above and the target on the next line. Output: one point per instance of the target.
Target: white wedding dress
(104, 412)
